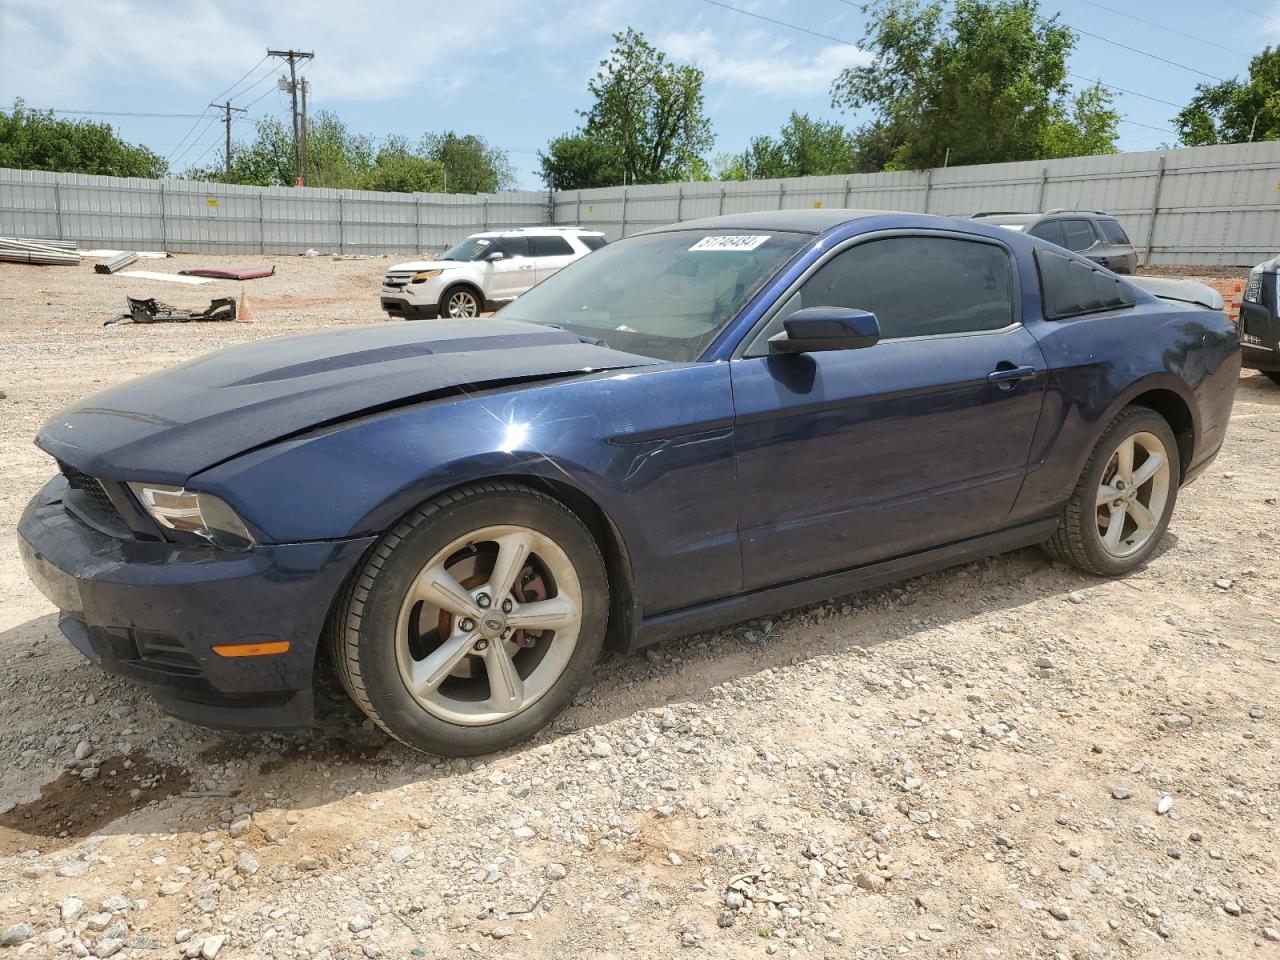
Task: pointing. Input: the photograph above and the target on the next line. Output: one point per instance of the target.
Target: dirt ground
(1007, 759)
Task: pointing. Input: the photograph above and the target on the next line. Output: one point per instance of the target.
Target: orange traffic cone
(243, 314)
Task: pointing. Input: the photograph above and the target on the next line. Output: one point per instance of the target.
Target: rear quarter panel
(1100, 363)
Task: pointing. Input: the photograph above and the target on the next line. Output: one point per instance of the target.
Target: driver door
(853, 456)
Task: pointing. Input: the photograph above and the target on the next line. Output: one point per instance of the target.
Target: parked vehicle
(692, 426)
(1260, 320)
(1094, 234)
(483, 272)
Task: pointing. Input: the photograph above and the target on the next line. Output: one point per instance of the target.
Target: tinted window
(1072, 287)
(550, 247)
(917, 286)
(514, 246)
(1079, 235)
(1051, 231)
(593, 243)
(1112, 232)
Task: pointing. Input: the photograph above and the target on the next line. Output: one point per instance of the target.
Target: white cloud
(763, 63)
(377, 51)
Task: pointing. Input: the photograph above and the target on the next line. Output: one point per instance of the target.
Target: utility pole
(227, 109)
(306, 85)
(293, 56)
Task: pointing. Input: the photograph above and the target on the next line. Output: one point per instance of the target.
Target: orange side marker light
(252, 649)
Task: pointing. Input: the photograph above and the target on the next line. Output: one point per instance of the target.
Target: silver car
(1091, 233)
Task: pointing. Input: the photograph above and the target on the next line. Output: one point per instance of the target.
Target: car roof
(538, 232)
(796, 221)
(1010, 218)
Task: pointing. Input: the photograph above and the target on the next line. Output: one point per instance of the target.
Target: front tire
(473, 623)
(1273, 376)
(1122, 503)
(460, 303)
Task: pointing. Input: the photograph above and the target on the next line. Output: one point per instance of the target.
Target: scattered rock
(16, 935)
(1121, 793)
(1164, 805)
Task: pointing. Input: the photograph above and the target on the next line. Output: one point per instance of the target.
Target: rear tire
(1122, 503)
(1273, 376)
(420, 638)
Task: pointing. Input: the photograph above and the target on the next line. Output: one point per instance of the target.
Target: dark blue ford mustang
(689, 427)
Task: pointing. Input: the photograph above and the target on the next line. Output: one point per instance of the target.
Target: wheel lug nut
(467, 625)
(482, 644)
(483, 600)
(506, 606)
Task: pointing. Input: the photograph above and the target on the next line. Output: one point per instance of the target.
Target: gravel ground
(1007, 759)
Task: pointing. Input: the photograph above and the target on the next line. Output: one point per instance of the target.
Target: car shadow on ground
(212, 770)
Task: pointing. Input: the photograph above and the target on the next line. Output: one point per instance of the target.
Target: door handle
(1007, 376)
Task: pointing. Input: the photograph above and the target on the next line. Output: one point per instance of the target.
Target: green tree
(470, 164)
(804, 147)
(577, 161)
(1235, 112)
(37, 140)
(986, 84)
(398, 169)
(646, 122)
(1089, 129)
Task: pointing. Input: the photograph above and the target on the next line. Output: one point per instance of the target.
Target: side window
(550, 247)
(1072, 287)
(916, 287)
(514, 246)
(593, 243)
(1079, 234)
(1112, 232)
(1050, 231)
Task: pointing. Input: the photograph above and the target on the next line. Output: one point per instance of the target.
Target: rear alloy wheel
(474, 622)
(1124, 499)
(460, 303)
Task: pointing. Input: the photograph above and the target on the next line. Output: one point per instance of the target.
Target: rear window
(1050, 231)
(1112, 232)
(593, 243)
(1072, 287)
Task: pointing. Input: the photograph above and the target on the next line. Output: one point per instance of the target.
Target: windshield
(661, 295)
(472, 248)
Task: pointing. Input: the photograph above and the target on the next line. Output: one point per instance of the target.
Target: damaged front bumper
(155, 612)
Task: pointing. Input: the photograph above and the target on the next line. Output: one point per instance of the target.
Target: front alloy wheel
(474, 621)
(461, 304)
(489, 624)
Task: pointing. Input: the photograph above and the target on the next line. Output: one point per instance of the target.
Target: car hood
(167, 426)
(417, 265)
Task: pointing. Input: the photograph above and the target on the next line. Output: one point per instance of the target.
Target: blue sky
(516, 72)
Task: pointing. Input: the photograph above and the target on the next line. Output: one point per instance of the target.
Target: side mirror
(816, 329)
(495, 256)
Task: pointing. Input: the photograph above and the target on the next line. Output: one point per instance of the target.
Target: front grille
(396, 280)
(91, 499)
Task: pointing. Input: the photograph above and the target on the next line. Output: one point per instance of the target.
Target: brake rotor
(528, 588)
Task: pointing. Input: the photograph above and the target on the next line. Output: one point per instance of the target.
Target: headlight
(190, 513)
(426, 275)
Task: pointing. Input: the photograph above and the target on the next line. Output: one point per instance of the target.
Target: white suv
(483, 271)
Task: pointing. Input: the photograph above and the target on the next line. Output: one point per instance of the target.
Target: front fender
(651, 447)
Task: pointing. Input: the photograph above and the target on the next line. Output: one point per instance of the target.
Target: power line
(850, 43)
(1125, 46)
(1132, 93)
(1256, 13)
(241, 80)
(1161, 26)
(119, 113)
(780, 23)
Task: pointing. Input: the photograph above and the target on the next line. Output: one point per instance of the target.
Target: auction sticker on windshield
(730, 242)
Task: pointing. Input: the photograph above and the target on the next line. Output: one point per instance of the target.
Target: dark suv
(1091, 233)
